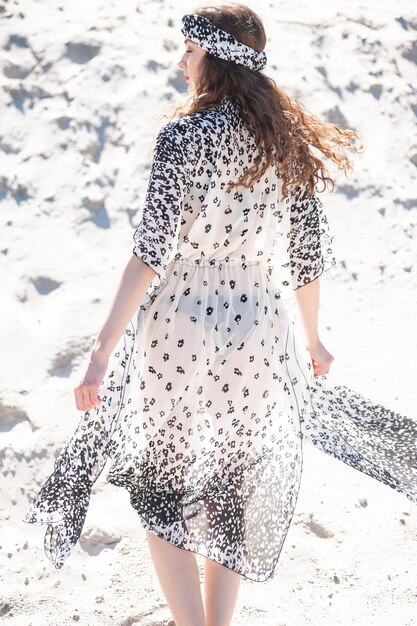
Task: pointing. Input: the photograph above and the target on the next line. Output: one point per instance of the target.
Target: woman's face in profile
(190, 60)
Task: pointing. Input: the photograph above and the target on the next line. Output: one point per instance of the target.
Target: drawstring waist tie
(218, 262)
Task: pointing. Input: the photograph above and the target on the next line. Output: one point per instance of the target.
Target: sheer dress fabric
(209, 394)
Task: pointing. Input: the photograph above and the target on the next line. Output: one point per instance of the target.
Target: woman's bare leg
(221, 586)
(178, 576)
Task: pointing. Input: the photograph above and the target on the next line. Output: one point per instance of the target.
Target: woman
(197, 388)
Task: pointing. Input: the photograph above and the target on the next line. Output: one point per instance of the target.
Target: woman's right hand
(86, 396)
(320, 357)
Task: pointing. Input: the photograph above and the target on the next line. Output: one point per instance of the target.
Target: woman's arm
(308, 297)
(135, 280)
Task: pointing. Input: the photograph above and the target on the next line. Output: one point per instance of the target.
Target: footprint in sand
(10, 416)
(81, 52)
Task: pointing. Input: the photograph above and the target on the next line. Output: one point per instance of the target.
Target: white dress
(209, 395)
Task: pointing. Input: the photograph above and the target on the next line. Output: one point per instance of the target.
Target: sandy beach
(83, 88)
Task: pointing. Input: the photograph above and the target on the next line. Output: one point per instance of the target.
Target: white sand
(83, 85)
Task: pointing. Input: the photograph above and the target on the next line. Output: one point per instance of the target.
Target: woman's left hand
(86, 392)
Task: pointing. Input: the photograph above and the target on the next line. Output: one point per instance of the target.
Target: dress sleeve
(157, 234)
(310, 242)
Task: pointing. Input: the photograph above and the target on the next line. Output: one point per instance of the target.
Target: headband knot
(221, 43)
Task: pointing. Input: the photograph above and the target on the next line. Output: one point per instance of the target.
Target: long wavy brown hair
(284, 131)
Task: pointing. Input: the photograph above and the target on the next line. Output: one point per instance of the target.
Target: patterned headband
(220, 43)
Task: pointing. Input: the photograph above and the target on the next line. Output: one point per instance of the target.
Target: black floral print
(209, 394)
